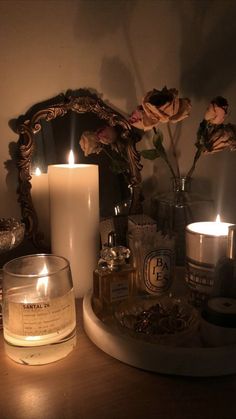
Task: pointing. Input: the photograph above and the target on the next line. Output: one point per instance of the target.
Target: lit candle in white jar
(206, 243)
(74, 213)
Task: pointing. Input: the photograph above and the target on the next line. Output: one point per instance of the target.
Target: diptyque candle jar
(206, 244)
(38, 309)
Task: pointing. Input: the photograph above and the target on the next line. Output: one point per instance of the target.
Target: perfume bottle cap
(231, 248)
(113, 256)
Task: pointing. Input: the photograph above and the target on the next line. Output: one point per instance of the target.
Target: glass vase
(174, 210)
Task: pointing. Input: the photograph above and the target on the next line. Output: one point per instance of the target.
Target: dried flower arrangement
(158, 107)
(166, 107)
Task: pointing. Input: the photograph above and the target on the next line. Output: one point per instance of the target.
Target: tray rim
(183, 361)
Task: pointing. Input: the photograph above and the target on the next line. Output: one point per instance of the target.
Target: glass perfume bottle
(225, 272)
(114, 279)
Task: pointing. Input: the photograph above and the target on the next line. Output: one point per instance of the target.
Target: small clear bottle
(114, 279)
(225, 271)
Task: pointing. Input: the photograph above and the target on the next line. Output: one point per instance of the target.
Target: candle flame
(218, 220)
(42, 284)
(212, 228)
(37, 171)
(71, 158)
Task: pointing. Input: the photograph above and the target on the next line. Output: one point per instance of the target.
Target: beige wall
(121, 49)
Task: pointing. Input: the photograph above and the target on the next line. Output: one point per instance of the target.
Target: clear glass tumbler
(39, 320)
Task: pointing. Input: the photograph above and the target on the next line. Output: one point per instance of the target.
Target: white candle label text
(42, 317)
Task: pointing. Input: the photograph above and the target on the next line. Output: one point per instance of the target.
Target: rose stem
(165, 158)
(196, 157)
(173, 149)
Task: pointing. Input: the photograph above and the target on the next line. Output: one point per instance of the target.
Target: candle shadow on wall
(101, 18)
(208, 35)
(100, 21)
(118, 82)
(224, 184)
(208, 67)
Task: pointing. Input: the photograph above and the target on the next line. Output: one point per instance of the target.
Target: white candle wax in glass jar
(38, 309)
(206, 243)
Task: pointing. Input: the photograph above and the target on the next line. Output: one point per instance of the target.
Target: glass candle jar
(39, 318)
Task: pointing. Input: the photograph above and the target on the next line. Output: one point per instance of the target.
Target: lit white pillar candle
(74, 213)
(40, 197)
(206, 243)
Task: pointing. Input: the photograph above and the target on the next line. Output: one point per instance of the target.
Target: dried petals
(107, 135)
(221, 138)
(214, 114)
(89, 143)
(160, 106)
(157, 320)
(216, 111)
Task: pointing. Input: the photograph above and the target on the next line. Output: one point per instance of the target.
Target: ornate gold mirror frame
(31, 123)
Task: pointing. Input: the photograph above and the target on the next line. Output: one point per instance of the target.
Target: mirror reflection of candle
(40, 197)
(71, 158)
(38, 171)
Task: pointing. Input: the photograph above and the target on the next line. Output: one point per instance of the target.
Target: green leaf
(151, 154)
(157, 142)
(157, 138)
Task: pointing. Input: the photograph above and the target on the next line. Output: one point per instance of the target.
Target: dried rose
(136, 116)
(221, 138)
(160, 106)
(107, 135)
(89, 143)
(216, 111)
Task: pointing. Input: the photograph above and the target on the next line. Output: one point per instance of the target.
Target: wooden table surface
(90, 384)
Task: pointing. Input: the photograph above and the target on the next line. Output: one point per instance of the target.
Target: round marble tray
(186, 361)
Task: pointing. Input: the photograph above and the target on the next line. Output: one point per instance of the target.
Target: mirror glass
(48, 131)
(54, 142)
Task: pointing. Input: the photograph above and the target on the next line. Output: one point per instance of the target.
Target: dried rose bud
(216, 111)
(89, 143)
(107, 135)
